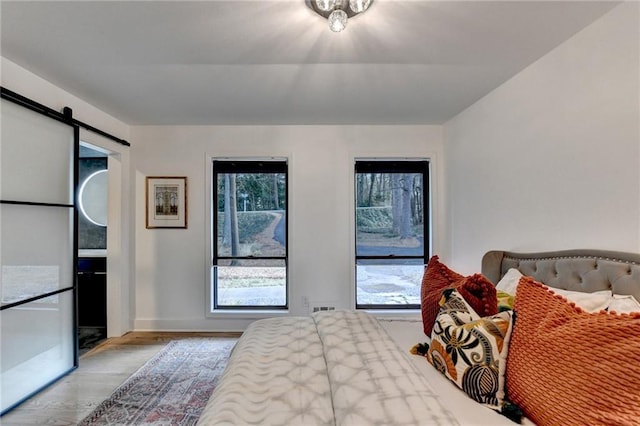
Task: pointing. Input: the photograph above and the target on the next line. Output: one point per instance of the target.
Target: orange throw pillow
(477, 290)
(570, 367)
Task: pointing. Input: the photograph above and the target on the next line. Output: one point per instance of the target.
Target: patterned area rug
(172, 388)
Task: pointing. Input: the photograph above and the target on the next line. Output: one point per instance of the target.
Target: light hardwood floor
(101, 370)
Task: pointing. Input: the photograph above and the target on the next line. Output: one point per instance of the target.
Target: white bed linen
(407, 331)
(336, 367)
(342, 368)
(372, 382)
(276, 375)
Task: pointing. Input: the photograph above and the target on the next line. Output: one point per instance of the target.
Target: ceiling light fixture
(338, 12)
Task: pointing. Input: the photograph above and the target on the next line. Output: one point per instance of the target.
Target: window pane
(389, 282)
(390, 214)
(250, 282)
(250, 217)
(37, 346)
(36, 155)
(40, 259)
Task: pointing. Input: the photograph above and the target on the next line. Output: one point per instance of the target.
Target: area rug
(172, 388)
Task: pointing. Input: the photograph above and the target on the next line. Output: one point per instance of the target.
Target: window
(249, 269)
(392, 202)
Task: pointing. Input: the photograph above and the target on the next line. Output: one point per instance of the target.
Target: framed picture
(166, 202)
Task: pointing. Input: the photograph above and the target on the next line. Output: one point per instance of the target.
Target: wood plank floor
(101, 370)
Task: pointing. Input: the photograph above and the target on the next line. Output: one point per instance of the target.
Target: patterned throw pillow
(477, 290)
(570, 367)
(505, 301)
(471, 351)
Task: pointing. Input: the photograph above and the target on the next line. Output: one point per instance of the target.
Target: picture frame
(166, 198)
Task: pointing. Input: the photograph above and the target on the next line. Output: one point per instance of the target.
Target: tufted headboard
(577, 270)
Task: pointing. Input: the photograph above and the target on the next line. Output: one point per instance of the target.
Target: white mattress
(406, 332)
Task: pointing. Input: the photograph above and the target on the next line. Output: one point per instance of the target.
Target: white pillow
(624, 304)
(509, 283)
(590, 302)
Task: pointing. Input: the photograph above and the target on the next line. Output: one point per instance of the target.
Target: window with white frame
(392, 241)
(249, 267)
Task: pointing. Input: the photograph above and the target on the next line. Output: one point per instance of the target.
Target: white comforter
(334, 368)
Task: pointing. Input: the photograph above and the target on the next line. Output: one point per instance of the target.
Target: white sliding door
(38, 336)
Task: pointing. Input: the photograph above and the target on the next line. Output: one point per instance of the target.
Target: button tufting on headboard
(579, 270)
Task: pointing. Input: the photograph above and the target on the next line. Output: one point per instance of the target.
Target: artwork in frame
(166, 202)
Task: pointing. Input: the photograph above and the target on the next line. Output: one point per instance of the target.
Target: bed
(351, 368)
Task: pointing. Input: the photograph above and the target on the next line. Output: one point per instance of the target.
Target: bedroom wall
(171, 264)
(26, 83)
(551, 159)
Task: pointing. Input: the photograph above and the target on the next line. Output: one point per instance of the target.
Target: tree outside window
(391, 232)
(250, 244)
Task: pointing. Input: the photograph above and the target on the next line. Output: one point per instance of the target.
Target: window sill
(408, 314)
(247, 314)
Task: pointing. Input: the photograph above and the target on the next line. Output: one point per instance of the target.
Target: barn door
(38, 221)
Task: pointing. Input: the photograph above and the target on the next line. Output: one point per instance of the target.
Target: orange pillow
(570, 367)
(477, 290)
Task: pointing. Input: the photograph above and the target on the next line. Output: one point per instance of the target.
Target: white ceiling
(276, 62)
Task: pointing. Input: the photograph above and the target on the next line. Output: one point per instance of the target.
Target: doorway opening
(92, 247)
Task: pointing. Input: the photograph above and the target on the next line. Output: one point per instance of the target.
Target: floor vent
(323, 308)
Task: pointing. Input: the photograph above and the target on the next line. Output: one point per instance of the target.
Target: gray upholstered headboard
(577, 270)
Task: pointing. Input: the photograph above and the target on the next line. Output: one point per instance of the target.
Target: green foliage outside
(374, 219)
(379, 220)
(250, 224)
(255, 191)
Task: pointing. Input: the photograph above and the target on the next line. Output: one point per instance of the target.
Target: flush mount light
(338, 12)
